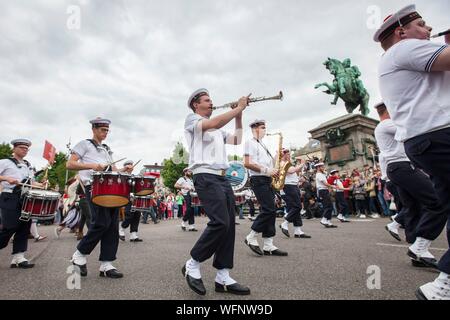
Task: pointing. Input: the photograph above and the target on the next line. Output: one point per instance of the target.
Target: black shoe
(83, 269)
(329, 225)
(113, 273)
(418, 264)
(183, 228)
(122, 238)
(136, 240)
(304, 236)
(393, 234)
(237, 223)
(343, 220)
(255, 249)
(193, 230)
(234, 288)
(22, 265)
(420, 295)
(285, 232)
(429, 262)
(195, 284)
(276, 252)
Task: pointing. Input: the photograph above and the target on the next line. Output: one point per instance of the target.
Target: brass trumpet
(250, 100)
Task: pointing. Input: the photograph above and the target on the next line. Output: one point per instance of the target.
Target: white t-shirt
(321, 179)
(259, 155)
(206, 149)
(9, 169)
(417, 99)
(291, 179)
(88, 153)
(391, 149)
(339, 184)
(186, 184)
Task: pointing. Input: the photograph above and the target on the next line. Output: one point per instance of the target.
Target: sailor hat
(319, 164)
(257, 122)
(128, 162)
(18, 142)
(100, 122)
(197, 94)
(393, 21)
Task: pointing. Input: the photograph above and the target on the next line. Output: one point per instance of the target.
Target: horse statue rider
(346, 85)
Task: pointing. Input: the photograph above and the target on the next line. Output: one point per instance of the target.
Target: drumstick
(116, 161)
(34, 187)
(136, 163)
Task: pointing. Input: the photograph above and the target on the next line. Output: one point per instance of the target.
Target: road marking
(405, 246)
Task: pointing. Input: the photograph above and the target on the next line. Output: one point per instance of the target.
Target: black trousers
(342, 204)
(294, 204)
(189, 215)
(324, 198)
(104, 229)
(251, 207)
(431, 152)
(217, 198)
(20, 232)
(307, 207)
(265, 221)
(86, 217)
(424, 215)
(131, 219)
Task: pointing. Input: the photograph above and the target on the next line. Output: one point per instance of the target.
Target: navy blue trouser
(265, 221)
(293, 203)
(20, 232)
(424, 215)
(189, 215)
(325, 200)
(217, 199)
(431, 152)
(343, 205)
(131, 219)
(104, 229)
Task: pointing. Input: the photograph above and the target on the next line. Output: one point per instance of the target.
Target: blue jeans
(383, 204)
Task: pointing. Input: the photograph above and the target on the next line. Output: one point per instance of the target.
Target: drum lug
(119, 180)
(101, 180)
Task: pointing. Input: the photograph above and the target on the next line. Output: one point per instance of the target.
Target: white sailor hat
(379, 104)
(334, 171)
(185, 170)
(100, 122)
(318, 164)
(197, 94)
(393, 21)
(128, 162)
(257, 122)
(18, 142)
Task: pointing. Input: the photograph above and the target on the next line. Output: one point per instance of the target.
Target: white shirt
(88, 153)
(9, 169)
(339, 185)
(259, 155)
(417, 99)
(206, 148)
(186, 185)
(391, 149)
(291, 179)
(321, 179)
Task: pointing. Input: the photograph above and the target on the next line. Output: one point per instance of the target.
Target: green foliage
(173, 167)
(235, 157)
(57, 173)
(5, 151)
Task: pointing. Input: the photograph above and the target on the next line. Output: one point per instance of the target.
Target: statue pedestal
(347, 142)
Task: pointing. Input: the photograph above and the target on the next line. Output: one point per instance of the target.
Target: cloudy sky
(135, 62)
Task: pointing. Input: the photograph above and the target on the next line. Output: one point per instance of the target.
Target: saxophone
(278, 182)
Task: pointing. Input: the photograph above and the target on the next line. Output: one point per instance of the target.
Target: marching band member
(323, 194)
(414, 78)
(89, 156)
(293, 199)
(186, 185)
(260, 163)
(13, 171)
(208, 162)
(131, 217)
(340, 199)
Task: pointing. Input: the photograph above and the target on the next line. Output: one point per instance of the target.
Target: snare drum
(195, 200)
(111, 189)
(239, 198)
(41, 204)
(141, 203)
(143, 185)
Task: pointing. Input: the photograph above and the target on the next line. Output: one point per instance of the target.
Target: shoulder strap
(14, 160)
(96, 144)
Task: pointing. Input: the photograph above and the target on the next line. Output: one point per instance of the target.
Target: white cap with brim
(128, 162)
(393, 21)
(17, 142)
(195, 95)
(334, 171)
(319, 164)
(257, 122)
(100, 122)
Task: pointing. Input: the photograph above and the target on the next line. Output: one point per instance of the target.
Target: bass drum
(237, 174)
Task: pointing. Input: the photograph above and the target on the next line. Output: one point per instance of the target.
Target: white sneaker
(362, 216)
(374, 215)
(439, 289)
(121, 232)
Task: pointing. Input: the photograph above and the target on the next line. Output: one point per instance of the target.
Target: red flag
(49, 152)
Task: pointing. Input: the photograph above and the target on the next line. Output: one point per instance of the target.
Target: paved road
(331, 265)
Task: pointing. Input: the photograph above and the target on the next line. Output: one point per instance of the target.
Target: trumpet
(440, 34)
(250, 100)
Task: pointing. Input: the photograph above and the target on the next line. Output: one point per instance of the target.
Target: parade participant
(186, 185)
(340, 199)
(323, 194)
(292, 198)
(208, 162)
(88, 156)
(425, 216)
(14, 171)
(260, 163)
(248, 194)
(414, 78)
(132, 218)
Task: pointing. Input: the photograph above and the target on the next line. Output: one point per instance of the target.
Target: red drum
(143, 185)
(195, 200)
(141, 203)
(41, 204)
(239, 198)
(111, 189)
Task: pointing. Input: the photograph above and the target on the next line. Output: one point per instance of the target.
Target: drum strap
(96, 145)
(16, 162)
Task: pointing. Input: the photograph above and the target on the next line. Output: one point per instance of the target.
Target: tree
(57, 173)
(173, 167)
(5, 150)
(234, 157)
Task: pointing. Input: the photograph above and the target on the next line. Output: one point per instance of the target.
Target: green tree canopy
(5, 150)
(173, 167)
(57, 173)
(235, 157)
